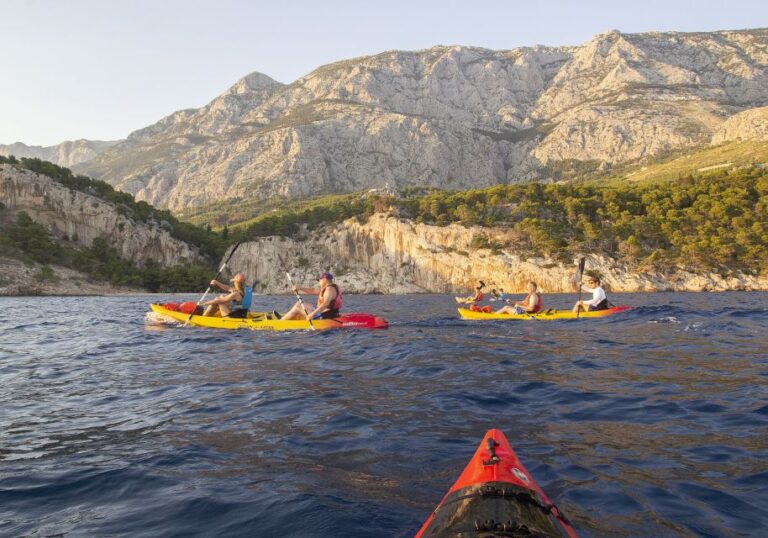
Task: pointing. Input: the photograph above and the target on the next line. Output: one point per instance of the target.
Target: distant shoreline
(198, 294)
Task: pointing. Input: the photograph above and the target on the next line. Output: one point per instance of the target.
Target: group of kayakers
(237, 298)
(533, 302)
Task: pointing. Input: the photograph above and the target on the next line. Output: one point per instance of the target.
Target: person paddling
(235, 302)
(599, 300)
(478, 296)
(531, 303)
(328, 301)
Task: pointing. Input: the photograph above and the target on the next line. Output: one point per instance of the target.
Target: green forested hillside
(26, 240)
(22, 238)
(708, 221)
(209, 243)
(716, 220)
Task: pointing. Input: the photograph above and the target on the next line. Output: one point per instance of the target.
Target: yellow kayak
(465, 313)
(261, 321)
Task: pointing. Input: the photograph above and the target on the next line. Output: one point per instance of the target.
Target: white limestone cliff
(82, 218)
(391, 255)
(748, 125)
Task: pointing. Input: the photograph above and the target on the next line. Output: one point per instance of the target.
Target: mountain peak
(449, 116)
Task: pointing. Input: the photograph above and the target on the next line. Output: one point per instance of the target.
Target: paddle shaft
(581, 274)
(208, 290)
(301, 301)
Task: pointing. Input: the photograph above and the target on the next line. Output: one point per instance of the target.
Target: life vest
(479, 296)
(336, 303)
(245, 303)
(538, 305)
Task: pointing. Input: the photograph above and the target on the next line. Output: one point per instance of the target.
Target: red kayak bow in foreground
(495, 496)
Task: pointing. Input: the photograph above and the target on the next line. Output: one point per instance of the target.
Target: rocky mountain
(449, 117)
(81, 218)
(67, 153)
(748, 125)
(391, 255)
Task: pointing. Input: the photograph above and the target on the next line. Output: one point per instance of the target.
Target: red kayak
(495, 496)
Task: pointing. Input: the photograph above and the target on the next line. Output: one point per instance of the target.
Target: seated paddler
(529, 305)
(328, 300)
(236, 300)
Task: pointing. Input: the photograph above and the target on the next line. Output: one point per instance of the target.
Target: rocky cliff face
(67, 153)
(448, 117)
(748, 125)
(23, 278)
(390, 255)
(82, 218)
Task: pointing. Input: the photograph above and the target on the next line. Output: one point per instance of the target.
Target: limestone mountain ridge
(451, 117)
(68, 153)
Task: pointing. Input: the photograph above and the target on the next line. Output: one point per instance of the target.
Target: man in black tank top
(328, 302)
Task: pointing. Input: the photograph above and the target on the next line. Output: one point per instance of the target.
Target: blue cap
(327, 276)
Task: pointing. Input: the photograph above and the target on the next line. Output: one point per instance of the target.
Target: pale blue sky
(100, 69)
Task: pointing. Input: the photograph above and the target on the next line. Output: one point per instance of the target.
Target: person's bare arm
(232, 296)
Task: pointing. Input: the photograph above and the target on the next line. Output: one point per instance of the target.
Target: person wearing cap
(235, 302)
(328, 301)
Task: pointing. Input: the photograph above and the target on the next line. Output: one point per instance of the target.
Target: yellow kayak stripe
(465, 313)
(256, 321)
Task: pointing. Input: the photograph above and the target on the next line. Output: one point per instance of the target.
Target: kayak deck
(550, 314)
(495, 496)
(261, 321)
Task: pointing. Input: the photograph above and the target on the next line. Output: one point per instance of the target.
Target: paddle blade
(582, 262)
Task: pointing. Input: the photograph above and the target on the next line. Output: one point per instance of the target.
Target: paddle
(207, 291)
(581, 274)
(301, 301)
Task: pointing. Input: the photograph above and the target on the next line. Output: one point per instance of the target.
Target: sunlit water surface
(652, 423)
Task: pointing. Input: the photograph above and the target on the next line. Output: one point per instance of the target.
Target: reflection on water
(653, 422)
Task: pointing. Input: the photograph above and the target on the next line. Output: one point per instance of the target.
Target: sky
(99, 69)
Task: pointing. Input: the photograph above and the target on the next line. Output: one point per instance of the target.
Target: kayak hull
(466, 313)
(260, 321)
(495, 495)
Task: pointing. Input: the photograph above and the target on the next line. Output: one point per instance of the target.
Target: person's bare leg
(296, 312)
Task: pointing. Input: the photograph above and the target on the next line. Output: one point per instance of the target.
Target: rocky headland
(392, 255)
(78, 218)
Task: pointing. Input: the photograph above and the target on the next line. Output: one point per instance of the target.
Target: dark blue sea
(649, 423)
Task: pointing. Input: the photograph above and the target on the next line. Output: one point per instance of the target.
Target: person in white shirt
(599, 300)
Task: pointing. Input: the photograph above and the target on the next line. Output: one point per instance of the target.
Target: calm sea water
(653, 423)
